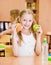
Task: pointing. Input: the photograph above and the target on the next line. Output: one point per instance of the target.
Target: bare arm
(38, 46)
(38, 41)
(15, 48)
(15, 45)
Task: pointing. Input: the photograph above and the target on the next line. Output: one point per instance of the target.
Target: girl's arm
(15, 45)
(38, 41)
(38, 46)
(15, 48)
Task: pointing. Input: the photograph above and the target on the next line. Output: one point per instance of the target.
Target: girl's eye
(24, 20)
(29, 20)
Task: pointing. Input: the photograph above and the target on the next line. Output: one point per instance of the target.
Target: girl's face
(26, 20)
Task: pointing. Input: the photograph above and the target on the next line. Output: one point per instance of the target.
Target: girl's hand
(39, 32)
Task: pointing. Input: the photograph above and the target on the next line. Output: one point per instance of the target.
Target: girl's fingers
(39, 31)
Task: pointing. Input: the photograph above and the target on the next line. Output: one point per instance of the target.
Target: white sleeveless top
(27, 45)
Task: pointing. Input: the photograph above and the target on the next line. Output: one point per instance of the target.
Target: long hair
(28, 11)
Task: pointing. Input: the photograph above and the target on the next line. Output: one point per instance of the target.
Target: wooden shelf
(34, 6)
(5, 39)
(29, 0)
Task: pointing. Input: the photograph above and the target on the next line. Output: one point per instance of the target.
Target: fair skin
(26, 20)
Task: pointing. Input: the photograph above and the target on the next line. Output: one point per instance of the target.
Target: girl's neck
(27, 32)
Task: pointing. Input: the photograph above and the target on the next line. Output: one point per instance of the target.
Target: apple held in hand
(35, 27)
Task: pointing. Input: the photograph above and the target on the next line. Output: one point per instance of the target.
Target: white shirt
(27, 45)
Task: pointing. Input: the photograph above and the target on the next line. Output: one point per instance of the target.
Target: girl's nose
(26, 22)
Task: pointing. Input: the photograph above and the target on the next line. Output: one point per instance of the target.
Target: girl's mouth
(26, 25)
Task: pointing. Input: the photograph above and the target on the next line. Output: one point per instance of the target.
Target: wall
(7, 5)
(45, 15)
(44, 11)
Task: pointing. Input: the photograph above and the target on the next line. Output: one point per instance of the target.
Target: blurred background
(9, 10)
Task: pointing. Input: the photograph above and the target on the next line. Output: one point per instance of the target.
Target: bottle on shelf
(33, 6)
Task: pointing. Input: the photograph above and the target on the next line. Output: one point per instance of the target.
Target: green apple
(35, 27)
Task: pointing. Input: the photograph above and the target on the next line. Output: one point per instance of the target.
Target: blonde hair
(28, 11)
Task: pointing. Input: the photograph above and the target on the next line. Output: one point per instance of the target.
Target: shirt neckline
(26, 34)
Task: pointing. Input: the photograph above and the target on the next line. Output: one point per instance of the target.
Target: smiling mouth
(26, 25)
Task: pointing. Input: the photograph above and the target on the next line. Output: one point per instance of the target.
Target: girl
(26, 42)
